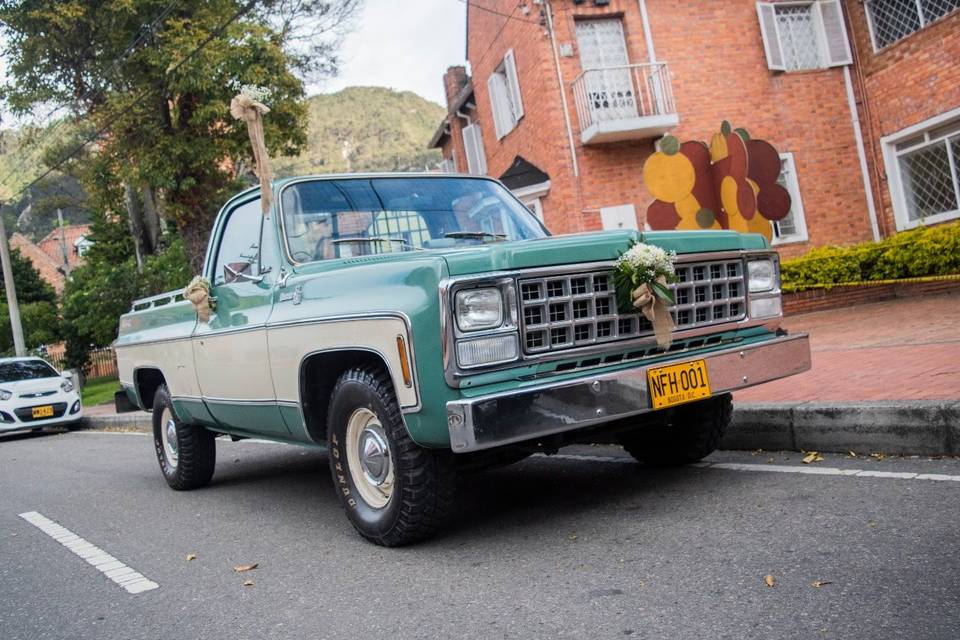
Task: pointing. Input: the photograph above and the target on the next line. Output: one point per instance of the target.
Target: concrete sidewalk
(885, 378)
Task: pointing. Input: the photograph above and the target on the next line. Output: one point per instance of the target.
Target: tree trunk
(195, 244)
(135, 220)
(151, 219)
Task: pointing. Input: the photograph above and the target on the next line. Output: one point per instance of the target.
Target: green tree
(30, 286)
(169, 136)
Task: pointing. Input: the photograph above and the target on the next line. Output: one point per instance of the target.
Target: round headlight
(5, 395)
(763, 275)
(66, 386)
(477, 309)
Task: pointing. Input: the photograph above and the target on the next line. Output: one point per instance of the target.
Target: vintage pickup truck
(424, 326)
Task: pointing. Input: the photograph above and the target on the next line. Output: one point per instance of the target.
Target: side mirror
(239, 272)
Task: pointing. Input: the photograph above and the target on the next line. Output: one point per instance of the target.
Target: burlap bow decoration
(654, 309)
(198, 293)
(245, 108)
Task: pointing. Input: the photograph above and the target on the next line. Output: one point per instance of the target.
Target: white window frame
(923, 24)
(796, 206)
(449, 165)
(473, 148)
(618, 217)
(531, 197)
(890, 159)
(506, 101)
(828, 20)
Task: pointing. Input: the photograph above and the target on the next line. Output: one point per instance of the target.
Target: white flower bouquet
(640, 277)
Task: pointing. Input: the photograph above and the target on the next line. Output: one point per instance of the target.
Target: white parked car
(34, 395)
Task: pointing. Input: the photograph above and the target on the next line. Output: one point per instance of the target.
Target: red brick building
(568, 97)
(47, 255)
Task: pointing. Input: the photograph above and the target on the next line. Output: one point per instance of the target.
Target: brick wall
(716, 59)
(903, 84)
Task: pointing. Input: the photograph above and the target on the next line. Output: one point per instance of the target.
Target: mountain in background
(356, 129)
(366, 129)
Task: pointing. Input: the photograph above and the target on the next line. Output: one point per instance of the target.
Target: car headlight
(477, 309)
(5, 395)
(763, 275)
(485, 351)
(66, 386)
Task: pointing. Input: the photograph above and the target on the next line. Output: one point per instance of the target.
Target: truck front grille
(580, 309)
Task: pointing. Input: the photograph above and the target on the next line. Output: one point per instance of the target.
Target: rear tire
(686, 434)
(394, 491)
(187, 453)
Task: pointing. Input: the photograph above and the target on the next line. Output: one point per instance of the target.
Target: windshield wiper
(479, 235)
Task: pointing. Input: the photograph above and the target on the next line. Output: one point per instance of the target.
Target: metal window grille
(788, 225)
(798, 37)
(892, 20)
(930, 177)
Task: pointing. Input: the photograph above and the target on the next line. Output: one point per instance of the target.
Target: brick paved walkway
(906, 349)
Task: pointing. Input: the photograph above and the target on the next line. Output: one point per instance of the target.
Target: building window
(506, 103)
(804, 35)
(473, 145)
(448, 165)
(792, 228)
(893, 20)
(535, 206)
(923, 163)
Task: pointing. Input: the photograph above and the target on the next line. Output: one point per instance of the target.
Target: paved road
(584, 546)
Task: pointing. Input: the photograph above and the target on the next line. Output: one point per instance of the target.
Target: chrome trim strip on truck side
(526, 414)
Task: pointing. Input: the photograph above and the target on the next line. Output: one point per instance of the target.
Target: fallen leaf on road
(878, 456)
(852, 454)
(769, 460)
(240, 568)
(191, 557)
(769, 580)
(757, 452)
(572, 536)
(816, 584)
(248, 583)
(872, 524)
(813, 456)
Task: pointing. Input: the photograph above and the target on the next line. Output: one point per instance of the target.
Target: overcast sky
(403, 45)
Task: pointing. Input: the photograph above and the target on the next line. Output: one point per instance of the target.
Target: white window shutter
(495, 88)
(513, 84)
(771, 37)
(473, 145)
(836, 47)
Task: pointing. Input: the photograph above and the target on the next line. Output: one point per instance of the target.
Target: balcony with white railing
(629, 102)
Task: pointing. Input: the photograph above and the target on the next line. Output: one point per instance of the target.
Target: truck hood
(590, 247)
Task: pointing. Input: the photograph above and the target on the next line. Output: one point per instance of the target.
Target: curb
(913, 427)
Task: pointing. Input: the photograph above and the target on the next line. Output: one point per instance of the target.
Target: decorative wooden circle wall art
(730, 184)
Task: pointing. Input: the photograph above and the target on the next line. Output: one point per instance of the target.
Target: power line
(143, 32)
(213, 35)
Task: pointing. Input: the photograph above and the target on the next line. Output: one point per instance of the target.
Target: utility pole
(63, 245)
(19, 347)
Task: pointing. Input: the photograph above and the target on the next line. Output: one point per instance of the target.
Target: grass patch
(99, 390)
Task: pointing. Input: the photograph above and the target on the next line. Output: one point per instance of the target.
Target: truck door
(230, 351)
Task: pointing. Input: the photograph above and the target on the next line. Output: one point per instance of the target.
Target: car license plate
(43, 412)
(678, 383)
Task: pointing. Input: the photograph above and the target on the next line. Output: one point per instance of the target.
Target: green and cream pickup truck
(423, 326)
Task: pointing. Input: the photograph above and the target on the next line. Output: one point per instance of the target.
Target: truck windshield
(341, 218)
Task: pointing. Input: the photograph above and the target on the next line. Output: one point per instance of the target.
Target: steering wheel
(302, 256)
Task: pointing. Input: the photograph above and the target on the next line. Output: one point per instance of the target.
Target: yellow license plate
(43, 412)
(678, 383)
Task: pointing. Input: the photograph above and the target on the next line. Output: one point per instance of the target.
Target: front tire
(187, 453)
(394, 491)
(685, 434)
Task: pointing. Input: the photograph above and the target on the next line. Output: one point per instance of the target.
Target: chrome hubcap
(168, 433)
(368, 454)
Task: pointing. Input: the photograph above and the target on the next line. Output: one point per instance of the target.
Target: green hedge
(926, 251)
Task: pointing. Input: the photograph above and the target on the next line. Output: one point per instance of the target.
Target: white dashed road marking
(781, 468)
(109, 566)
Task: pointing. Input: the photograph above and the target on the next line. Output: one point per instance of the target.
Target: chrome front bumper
(525, 414)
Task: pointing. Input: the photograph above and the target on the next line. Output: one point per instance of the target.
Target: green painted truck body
(402, 289)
